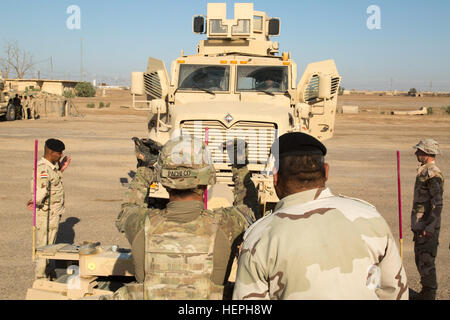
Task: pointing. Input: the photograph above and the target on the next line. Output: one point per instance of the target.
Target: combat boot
(428, 294)
(424, 294)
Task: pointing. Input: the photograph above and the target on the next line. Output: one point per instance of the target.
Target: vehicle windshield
(262, 78)
(204, 77)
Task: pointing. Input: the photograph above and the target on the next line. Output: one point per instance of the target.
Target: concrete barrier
(350, 109)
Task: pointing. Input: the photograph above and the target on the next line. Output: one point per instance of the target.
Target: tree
(84, 89)
(16, 60)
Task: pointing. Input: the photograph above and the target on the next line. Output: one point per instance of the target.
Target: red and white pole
(206, 190)
(34, 198)
(399, 205)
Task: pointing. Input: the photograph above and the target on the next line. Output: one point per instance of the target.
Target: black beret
(297, 143)
(55, 145)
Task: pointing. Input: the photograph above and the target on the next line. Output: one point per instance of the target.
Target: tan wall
(53, 87)
(20, 85)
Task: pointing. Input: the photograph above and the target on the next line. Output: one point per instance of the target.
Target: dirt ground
(362, 158)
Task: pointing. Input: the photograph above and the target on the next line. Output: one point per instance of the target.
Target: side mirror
(274, 27)
(198, 24)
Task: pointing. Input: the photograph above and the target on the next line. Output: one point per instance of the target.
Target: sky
(410, 49)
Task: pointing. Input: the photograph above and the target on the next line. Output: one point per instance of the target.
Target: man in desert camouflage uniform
(183, 251)
(49, 197)
(25, 107)
(316, 245)
(426, 216)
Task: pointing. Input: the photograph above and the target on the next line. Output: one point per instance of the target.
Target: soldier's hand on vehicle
(147, 151)
(64, 163)
(237, 151)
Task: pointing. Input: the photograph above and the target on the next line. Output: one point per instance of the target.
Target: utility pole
(51, 67)
(81, 59)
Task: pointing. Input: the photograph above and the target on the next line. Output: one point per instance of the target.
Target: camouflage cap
(429, 146)
(185, 163)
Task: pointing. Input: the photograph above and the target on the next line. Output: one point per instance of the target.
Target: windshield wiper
(266, 91)
(204, 89)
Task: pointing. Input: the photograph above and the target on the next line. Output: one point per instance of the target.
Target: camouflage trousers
(47, 223)
(425, 251)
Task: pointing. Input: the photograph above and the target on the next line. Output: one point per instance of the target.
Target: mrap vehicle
(237, 85)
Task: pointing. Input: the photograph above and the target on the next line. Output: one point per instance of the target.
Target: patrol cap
(297, 143)
(55, 145)
(429, 146)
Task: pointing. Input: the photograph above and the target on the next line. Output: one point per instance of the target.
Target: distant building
(45, 85)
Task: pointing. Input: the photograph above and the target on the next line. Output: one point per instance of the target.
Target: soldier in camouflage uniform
(183, 251)
(426, 215)
(25, 108)
(316, 245)
(49, 197)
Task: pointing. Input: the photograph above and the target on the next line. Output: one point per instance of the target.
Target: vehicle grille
(153, 85)
(258, 135)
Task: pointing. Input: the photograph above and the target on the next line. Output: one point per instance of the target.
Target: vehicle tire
(11, 113)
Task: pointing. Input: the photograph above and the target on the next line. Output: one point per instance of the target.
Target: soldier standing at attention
(49, 197)
(32, 107)
(25, 108)
(183, 251)
(316, 245)
(426, 216)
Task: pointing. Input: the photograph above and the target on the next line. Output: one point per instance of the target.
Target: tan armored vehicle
(8, 110)
(234, 86)
(237, 85)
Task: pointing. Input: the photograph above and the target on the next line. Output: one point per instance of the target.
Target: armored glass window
(257, 23)
(242, 27)
(197, 77)
(262, 78)
(312, 89)
(216, 27)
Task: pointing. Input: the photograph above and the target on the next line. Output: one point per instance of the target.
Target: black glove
(147, 151)
(237, 152)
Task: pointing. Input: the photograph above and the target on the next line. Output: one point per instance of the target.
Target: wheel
(11, 113)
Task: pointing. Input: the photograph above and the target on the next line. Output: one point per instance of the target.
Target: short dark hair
(302, 171)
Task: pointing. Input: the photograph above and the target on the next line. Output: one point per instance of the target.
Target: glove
(147, 151)
(237, 152)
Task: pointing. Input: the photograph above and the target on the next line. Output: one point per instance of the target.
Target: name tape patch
(181, 173)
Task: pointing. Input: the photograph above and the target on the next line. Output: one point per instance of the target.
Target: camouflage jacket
(49, 187)
(232, 223)
(319, 246)
(428, 202)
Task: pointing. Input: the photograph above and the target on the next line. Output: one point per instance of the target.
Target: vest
(179, 258)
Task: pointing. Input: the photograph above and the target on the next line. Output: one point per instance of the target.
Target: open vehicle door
(317, 93)
(156, 79)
